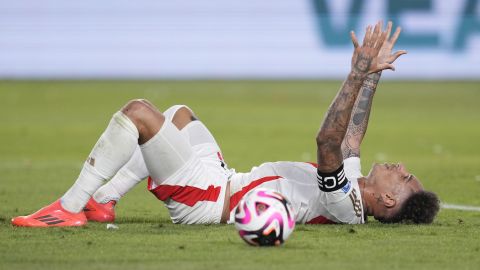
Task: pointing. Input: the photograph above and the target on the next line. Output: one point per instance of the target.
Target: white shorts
(187, 171)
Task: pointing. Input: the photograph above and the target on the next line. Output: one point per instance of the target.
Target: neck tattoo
(362, 192)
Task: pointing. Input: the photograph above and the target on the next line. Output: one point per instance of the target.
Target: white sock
(126, 178)
(114, 148)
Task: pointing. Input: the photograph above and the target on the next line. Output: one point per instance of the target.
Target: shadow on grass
(140, 220)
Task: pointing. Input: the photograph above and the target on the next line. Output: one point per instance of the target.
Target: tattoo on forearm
(335, 124)
(363, 106)
(363, 63)
(360, 115)
(348, 149)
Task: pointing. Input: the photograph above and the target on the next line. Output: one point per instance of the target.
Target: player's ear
(388, 200)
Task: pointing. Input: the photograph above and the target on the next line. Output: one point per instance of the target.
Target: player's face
(394, 180)
(388, 175)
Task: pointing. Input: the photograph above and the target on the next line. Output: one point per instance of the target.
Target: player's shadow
(4, 219)
(140, 220)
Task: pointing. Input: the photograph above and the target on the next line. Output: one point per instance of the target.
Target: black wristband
(332, 181)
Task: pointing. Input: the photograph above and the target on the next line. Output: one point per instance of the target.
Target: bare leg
(146, 118)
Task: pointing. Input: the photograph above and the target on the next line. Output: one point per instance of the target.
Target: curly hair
(419, 208)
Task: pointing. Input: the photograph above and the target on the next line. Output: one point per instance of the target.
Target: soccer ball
(264, 218)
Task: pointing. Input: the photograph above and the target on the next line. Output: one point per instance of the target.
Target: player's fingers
(377, 31)
(368, 34)
(397, 54)
(386, 66)
(389, 29)
(354, 39)
(365, 37)
(395, 35)
(380, 41)
(380, 26)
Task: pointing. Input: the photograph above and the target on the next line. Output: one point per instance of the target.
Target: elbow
(319, 140)
(324, 141)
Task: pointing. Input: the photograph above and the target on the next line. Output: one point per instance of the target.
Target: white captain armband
(332, 181)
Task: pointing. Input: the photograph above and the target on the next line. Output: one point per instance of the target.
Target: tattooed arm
(359, 118)
(332, 131)
(361, 110)
(334, 127)
(366, 60)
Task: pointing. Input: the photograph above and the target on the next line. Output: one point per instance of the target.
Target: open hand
(385, 55)
(366, 58)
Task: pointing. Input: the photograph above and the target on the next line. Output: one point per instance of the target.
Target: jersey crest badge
(347, 187)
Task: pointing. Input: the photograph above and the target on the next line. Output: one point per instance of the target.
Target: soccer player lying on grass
(188, 173)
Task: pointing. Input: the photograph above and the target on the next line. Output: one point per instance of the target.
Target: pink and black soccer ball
(264, 218)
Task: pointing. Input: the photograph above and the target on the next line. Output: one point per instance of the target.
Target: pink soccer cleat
(100, 212)
(53, 215)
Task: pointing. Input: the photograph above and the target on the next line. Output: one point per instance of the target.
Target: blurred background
(260, 74)
(224, 39)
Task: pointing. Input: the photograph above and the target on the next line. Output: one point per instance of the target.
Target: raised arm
(361, 110)
(334, 126)
(359, 118)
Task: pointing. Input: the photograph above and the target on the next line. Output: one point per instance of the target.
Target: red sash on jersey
(187, 195)
(235, 198)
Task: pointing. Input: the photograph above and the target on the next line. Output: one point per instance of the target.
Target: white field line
(461, 207)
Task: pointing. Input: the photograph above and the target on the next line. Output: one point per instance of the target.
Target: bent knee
(146, 118)
(141, 110)
(135, 106)
(183, 117)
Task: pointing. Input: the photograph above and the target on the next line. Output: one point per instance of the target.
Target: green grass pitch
(48, 128)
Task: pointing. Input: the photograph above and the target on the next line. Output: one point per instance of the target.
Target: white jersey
(188, 173)
(297, 181)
